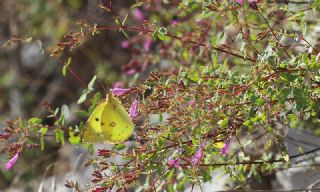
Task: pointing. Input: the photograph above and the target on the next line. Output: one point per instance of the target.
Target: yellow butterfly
(108, 123)
(218, 145)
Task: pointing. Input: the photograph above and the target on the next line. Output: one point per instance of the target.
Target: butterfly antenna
(103, 87)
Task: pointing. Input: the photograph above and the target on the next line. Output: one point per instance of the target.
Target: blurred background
(29, 76)
(30, 79)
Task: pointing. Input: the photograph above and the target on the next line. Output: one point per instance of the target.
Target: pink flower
(133, 67)
(174, 162)
(117, 84)
(125, 44)
(119, 91)
(174, 22)
(131, 72)
(133, 109)
(147, 44)
(226, 147)
(252, 3)
(197, 157)
(138, 15)
(5, 136)
(192, 102)
(12, 161)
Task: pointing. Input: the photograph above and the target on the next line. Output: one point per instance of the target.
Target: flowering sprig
(133, 108)
(197, 157)
(194, 160)
(12, 161)
(174, 162)
(226, 147)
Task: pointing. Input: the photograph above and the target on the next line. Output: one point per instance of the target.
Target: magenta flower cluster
(119, 91)
(226, 147)
(194, 160)
(133, 109)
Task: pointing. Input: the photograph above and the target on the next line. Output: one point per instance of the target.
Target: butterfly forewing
(92, 131)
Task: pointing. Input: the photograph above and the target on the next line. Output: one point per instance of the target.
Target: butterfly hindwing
(116, 124)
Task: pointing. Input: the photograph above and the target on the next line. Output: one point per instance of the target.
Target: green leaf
(188, 150)
(82, 113)
(91, 83)
(59, 136)
(171, 188)
(119, 147)
(288, 77)
(73, 138)
(181, 183)
(135, 5)
(64, 70)
(292, 117)
(248, 123)
(301, 150)
(224, 122)
(85, 92)
(91, 149)
(216, 38)
(65, 67)
(268, 144)
(83, 96)
(303, 26)
(163, 37)
(91, 109)
(42, 145)
(259, 101)
(317, 5)
(125, 33)
(170, 175)
(301, 98)
(65, 113)
(284, 93)
(35, 121)
(56, 111)
(43, 131)
(96, 98)
(214, 56)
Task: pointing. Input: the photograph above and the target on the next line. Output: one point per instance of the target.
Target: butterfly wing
(116, 124)
(92, 131)
(219, 145)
